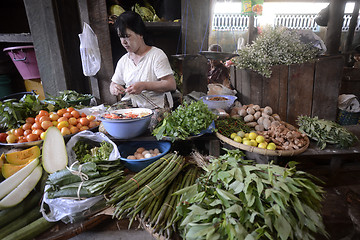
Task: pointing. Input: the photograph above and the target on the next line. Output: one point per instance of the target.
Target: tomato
(36, 125)
(30, 120)
(75, 114)
(32, 137)
(70, 109)
(54, 116)
(27, 126)
(74, 129)
(72, 121)
(43, 113)
(38, 132)
(19, 132)
(46, 124)
(92, 124)
(62, 119)
(63, 124)
(3, 137)
(22, 140)
(65, 131)
(84, 121)
(83, 128)
(83, 114)
(42, 135)
(27, 132)
(61, 112)
(67, 115)
(90, 117)
(11, 138)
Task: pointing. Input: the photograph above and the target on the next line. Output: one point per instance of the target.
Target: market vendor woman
(144, 73)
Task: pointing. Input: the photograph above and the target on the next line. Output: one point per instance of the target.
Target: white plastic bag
(66, 209)
(89, 51)
(91, 137)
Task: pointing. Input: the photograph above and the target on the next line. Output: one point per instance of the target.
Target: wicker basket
(262, 151)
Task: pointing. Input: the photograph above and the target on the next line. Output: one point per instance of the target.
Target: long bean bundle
(146, 186)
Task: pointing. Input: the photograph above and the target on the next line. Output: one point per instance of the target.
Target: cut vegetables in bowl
(128, 114)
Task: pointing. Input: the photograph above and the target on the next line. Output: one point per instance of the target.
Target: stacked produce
(325, 131)
(236, 199)
(68, 121)
(187, 120)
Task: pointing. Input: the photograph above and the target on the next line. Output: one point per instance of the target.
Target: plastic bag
(68, 210)
(309, 37)
(91, 137)
(219, 89)
(89, 51)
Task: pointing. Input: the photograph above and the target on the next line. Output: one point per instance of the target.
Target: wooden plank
(271, 90)
(283, 92)
(243, 85)
(256, 88)
(300, 91)
(48, 49)
(16, 37)
(327, 80)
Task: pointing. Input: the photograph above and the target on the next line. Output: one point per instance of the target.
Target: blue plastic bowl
(127, 128)
(136, 165)
(224, 104)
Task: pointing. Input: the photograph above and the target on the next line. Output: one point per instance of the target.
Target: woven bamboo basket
(262, 151)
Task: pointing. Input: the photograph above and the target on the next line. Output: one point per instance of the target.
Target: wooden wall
(308, 89)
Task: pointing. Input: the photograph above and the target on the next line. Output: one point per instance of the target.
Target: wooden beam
(352, 26)
(333, 33)
(16, 37)
(44, 32)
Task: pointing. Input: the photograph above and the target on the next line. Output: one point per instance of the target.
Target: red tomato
(3, 137)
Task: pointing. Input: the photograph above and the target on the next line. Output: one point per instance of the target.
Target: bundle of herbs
(326, 131)
(237, 199)
(187, 120)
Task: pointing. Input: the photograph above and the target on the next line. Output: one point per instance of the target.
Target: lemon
(233, 135)
(271, 146)
(260, 139)
(262, 145)
(252, 135)
(247, 142)
(246, 135)
(238, 139)
(253, 143)
(245, 139)
(241, 133)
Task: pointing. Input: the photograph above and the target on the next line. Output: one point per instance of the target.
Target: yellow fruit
(247, 142)
(241, 133)
(42, 135)
(260, 139)
(262, 145)
(238, 139)
(9, 169)
(253, 143)
(252, 136)
(24, 156)
(246, 135)
(271, 146)
(233, 135)
(63, 124)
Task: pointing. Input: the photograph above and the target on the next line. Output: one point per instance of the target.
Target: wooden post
(352, 26)
(336, 18)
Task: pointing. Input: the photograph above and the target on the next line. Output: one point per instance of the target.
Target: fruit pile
(252, 139)
(68, 121)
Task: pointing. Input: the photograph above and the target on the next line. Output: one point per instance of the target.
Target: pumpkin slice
(2, 160)
(54, 154)
(24, 156)
(9, 169)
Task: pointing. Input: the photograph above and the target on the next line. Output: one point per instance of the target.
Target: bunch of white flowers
(274, 46)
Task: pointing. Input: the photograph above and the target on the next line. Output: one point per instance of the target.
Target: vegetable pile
(237, 199)
(186, 120)
(325, 131)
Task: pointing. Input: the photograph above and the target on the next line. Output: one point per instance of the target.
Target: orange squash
(9, 169)
(24, 156)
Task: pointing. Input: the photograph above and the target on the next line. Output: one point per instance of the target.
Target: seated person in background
(143, 74)
(218, 72)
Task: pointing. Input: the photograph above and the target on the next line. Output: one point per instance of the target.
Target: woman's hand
(136, 88)
(116, 89)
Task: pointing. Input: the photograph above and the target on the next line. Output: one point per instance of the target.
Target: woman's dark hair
(132, 21)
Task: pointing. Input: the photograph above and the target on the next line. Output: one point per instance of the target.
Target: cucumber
(22, 190)
(10, 214)
(30, 231)
(14, 180)
(20, 222)
(54, 154)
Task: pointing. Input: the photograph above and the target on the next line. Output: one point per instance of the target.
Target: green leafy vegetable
(325, 131)
(237, 199)
(86, 153)
(186, 120)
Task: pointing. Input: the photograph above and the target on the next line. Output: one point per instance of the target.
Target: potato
(259, 127)
(268, 110)
(260, 120)
(248, 118)
(257, 115)
(256, 107)
(234, 111)
(242, 112)
(140, 150)
(276, 116)
(250, 111)
(131, 157)
(251, 124)
(236, 116)
(266, 123)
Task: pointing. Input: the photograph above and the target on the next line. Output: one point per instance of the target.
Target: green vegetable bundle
(325, 131)
(186, 120)
(236, 199)
(87, 153)
(85, 180)
(142, 189)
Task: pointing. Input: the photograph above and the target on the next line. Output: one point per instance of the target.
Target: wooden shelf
(163, 25)
(16, 37)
